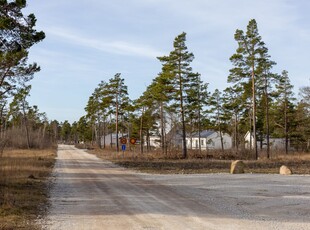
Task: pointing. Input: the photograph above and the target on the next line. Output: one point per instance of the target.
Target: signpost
(123, 141)
(133, 142)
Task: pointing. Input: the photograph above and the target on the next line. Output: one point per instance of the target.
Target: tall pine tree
(178, 64)
(285, 99)
(249, 59)
(118, 94)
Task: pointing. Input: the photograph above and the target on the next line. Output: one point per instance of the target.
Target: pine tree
(305, 94)
(265, 87)
(119, 100)
(216, 109)
(178, 64)
(285, 99)
(65, 131)
(17, 35)
(300, 132)
(20, 105)
(97, 109)
(156, 99)
(249, 59)
(196, 101)
(234, 107)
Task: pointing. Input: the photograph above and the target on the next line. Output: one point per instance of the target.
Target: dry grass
(211, 162)
(23, 187)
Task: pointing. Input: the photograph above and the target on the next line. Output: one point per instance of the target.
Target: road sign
(123, 140)
(123, 147)
(133, 141)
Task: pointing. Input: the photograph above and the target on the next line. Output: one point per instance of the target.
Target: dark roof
(204, 133)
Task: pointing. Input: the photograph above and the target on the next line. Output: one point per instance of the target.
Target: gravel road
(89, 193)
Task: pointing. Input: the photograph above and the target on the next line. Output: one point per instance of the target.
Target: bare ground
(90, 193)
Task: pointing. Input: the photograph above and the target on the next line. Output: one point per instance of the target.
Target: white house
(110, 139)
(209, 139)
(275, 143)
(154, 141)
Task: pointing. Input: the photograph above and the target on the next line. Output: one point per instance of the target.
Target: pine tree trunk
(162, 128)
(116, 124)
(222, 142)
(286, 127)
(199, 132)
(236, 132)
(104, 132)
(254, 113)
(26, 126)
(251, 141)
(184, 149)
(27, 132)
(267, 125)
(220, 128)
(141, 127)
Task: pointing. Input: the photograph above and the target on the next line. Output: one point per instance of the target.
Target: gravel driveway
(89, 193)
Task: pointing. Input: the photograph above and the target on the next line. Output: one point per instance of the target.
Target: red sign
(133, 141)
(123, 140)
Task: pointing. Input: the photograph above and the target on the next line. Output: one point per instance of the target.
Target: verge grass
(24, 187)
(211, 162)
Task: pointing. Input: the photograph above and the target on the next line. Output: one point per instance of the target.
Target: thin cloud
(114, 47)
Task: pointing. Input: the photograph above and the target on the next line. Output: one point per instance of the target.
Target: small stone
(31, 177)
(237, 167)
(284, 170)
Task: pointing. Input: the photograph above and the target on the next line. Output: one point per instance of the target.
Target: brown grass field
(211, 162)
(23, 187)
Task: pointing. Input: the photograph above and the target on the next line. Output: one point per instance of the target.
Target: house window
(196, 143)
(202, 142)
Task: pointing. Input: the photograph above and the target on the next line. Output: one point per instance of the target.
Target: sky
(89, 41)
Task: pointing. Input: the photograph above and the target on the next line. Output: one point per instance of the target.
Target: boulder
(284, 170)
(237, 167)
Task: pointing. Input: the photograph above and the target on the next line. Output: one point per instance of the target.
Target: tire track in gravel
(89, 193)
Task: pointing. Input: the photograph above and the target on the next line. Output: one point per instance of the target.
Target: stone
(31, 176)
(237, 167)
(284, 170)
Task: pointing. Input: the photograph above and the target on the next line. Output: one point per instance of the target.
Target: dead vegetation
(23, 187)
(207, 162)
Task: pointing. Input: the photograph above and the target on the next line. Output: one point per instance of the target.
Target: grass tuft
(23, 187)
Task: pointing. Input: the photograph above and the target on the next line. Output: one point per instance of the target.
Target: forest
(258, 100)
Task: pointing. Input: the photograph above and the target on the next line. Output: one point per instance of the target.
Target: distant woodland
(258, 100)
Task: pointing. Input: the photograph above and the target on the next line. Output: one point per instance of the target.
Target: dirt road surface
(89, 193)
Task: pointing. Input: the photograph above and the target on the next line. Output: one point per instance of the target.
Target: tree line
(177, 101)
(258, 101)
(21, 125)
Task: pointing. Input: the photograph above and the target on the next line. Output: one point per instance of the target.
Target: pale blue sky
(90, 40)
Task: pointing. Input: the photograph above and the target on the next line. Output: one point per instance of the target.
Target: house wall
(275, 143)
(107, 139)
(211, 142)
(154, 141)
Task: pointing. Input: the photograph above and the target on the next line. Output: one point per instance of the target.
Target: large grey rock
(284, 170)
(237, 167)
